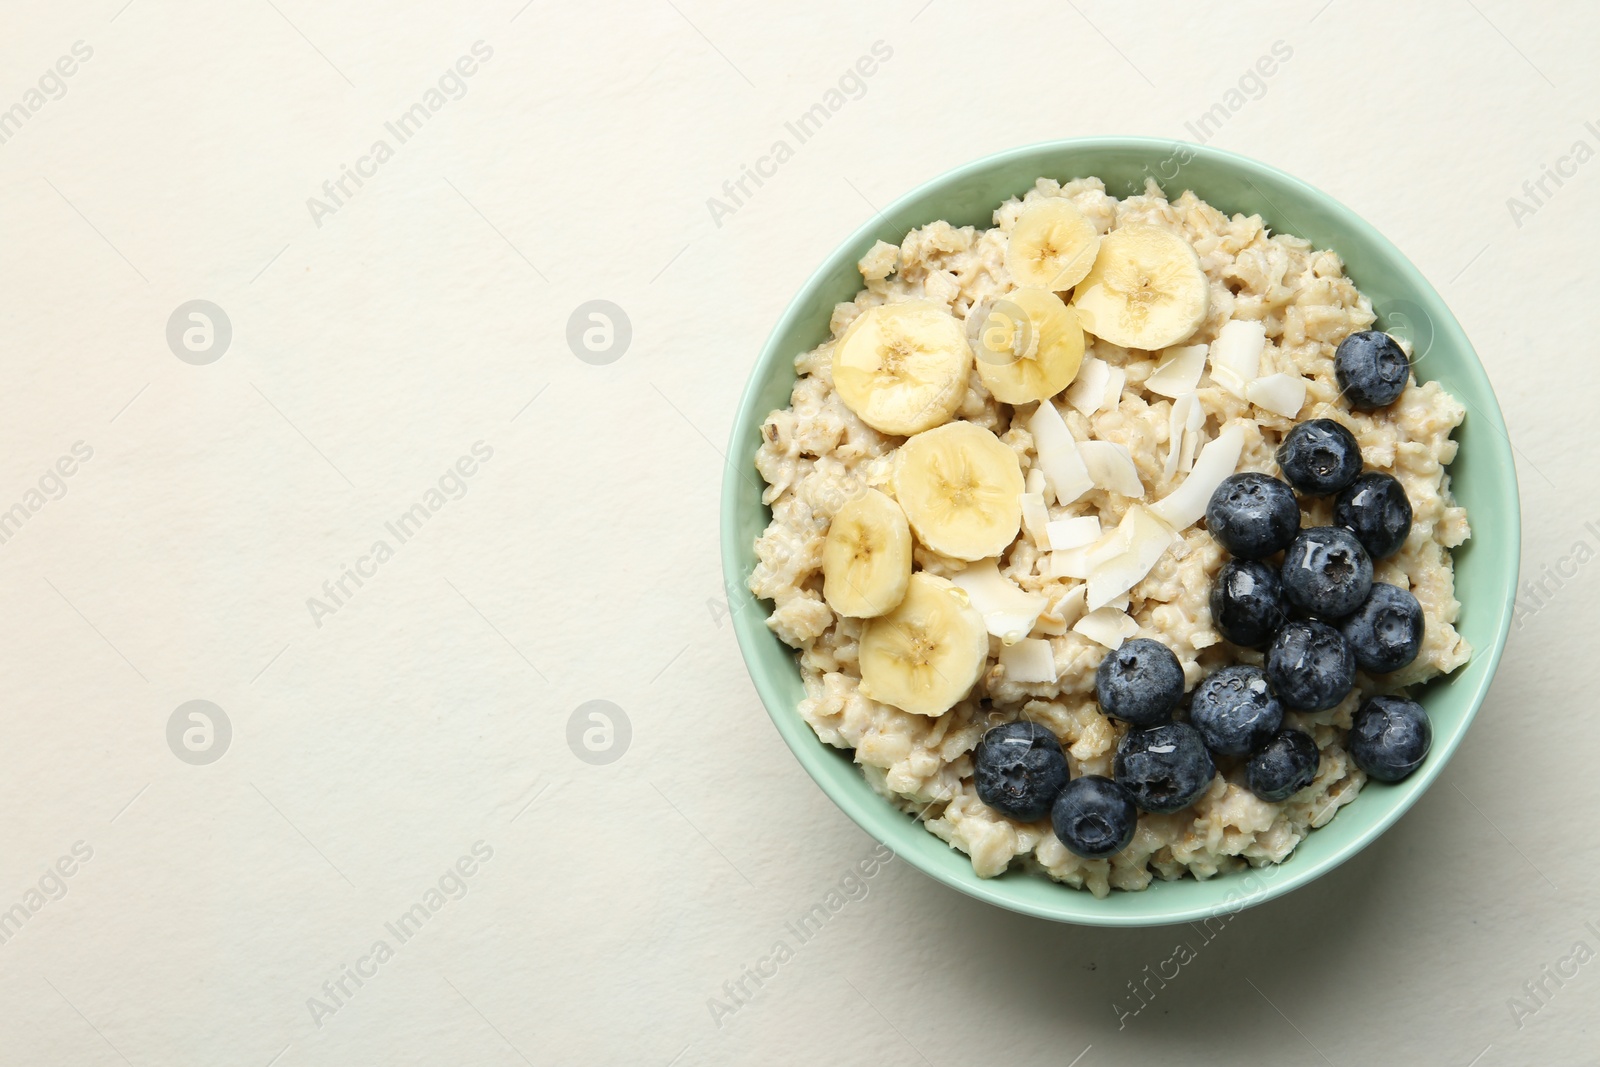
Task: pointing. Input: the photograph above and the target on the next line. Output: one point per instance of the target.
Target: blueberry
(1385, 633)
(1326, 572)
(1164, 769)
(1094, 817)
(1235, 710)
(1253, 515)
(1286, 765)
(1310, 666)
(1389, 737)
(1371, 369)
(1018, 769)
(1247, 602)
(1139, 683)
(1376, 510)
(1319, 457)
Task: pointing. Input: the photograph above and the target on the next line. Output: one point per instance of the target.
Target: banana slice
(866, 558)
(1052, 246)
(1146, 291)
(1028, 345)
(961, 489)
(902, 367)
(926, 654)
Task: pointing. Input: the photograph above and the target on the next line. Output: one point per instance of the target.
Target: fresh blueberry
(1164, 769)
(1319, 457)
(1018, 769)
(1094, 817)
(1371, 369)
(1310, 666)
(1385, 633)
(1389, 737)
(1253, 515)
(1247, 602)
(1286, 765)
(1376, 510)
(1326, 572)
(1235, 710)
(1139, 683)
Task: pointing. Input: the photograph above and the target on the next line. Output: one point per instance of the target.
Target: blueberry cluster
(1317, 612)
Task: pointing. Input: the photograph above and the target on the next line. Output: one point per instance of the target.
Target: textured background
(376, 744)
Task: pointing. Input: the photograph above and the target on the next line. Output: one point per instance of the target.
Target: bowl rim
(1076, 905)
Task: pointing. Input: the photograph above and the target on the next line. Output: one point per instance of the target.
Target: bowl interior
(1482, 476)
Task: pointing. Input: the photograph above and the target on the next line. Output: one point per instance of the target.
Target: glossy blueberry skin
(1326, 572)
(1164, 769)
(1018, 769)
(1253, 515)
(1247, 602)
(1319, 457)
(1375, 508)
(1385, 633)
(1235, 710)
(1390, 737)
(1283, 767)
(1139, 683)
(1310, 666)
(1094, 817)
(1371, 369)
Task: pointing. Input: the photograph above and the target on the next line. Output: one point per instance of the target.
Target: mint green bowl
(1482, 476)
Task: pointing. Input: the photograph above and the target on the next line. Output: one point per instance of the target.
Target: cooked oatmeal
(817, 455)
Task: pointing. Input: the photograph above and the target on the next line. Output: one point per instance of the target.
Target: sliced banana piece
(1028, 345)
(902, 367)
(926, 654)
(961, 489)
(1052, 246)
(866, 557)
(1146, 290)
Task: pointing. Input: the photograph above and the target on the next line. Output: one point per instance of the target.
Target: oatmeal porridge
(1112, 537)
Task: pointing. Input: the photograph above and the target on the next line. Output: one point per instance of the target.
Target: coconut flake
(1281, 394)
(1087, 392)
(1179, 371)
(1116, 378)
(1177, 425)
(1147, 539)
(1074, 533)
(1029, 661)
(1008, 612)
(1073, 563)
(1183, 507)
(1058, 454)
(1069, 608)
(1236, 354)
(1036, 519)
(1111, 466)
(1034, 482)
(1107, 626)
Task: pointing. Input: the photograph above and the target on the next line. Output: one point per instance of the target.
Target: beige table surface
(397, 733)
